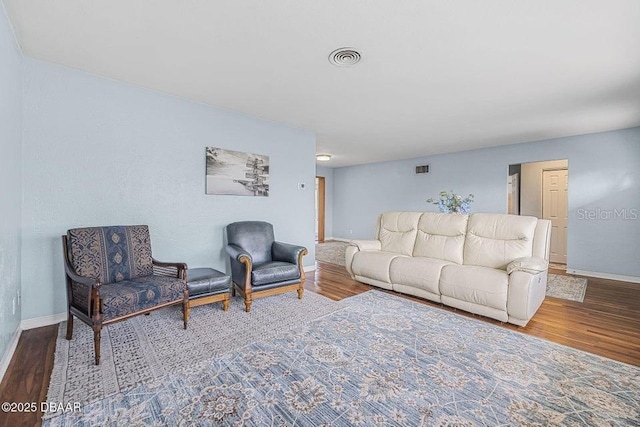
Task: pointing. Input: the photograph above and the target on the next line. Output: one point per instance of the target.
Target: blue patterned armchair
(111, 276)
(260, 266)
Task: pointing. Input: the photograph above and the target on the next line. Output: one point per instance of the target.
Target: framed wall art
(236, 173)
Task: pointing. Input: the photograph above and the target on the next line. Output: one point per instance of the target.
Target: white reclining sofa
(494, 265)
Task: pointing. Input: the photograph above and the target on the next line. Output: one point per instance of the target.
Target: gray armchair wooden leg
(69, 326)
(186, 311)
(96, 342)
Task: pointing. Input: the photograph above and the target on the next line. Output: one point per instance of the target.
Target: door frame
(320, 203)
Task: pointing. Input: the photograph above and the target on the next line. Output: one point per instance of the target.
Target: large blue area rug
(385, 360)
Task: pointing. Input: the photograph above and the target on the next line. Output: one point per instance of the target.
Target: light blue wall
(327, 173)
(10, 180)
(604, 175)
(99, 152)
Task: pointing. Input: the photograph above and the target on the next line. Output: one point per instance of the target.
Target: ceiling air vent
(345, 57)
(422, 169)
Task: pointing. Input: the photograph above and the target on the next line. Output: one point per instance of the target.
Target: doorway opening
(320, 202)
(541, 189)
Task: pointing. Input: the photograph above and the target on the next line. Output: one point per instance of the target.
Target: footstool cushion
(207, 285)
(207, 281)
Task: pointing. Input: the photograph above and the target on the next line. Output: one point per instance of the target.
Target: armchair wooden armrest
(240, 257)
(237, 253)
(87, 281)
(80, 290)
(167, 269)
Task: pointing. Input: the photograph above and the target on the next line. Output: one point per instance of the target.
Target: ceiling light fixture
(323, 157)
(345, 57)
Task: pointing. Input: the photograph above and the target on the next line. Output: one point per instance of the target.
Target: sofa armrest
(532, 265)
(367, 245)
(356, 246)
(525, 295)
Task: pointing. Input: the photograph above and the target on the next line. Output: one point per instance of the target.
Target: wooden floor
(607, 323)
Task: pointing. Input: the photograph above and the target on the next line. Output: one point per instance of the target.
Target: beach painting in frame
(236, 173)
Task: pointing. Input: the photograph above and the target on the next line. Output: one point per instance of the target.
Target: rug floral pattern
(385, 360)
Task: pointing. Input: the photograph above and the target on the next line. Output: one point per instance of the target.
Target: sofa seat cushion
(419, 272)
(131, 296)
(373, 264)
(478, 285)
(274, 271)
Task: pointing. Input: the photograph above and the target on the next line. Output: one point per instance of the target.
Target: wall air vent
(422, 169)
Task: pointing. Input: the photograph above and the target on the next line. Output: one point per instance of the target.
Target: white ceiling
(436, 76)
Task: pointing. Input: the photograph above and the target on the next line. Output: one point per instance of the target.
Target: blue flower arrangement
(450, 202)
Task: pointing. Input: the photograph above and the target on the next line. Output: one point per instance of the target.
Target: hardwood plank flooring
(27, 377)
(607, 323)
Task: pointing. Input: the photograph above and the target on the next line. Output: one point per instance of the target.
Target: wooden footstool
(207, 285)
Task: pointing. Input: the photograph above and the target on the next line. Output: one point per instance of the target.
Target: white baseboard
(620, 277)
(309, 268)
(8, 354)
(37, 322)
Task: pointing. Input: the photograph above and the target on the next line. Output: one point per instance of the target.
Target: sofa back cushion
(111, 254)
(441, 236)
(494, 240)
(397, 231)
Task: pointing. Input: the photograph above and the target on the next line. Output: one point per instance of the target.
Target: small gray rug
(331, 251)
(384, 361)
(558, 286)
(144, 348)
(566, 287)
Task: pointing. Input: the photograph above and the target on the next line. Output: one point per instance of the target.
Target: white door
(555, 208)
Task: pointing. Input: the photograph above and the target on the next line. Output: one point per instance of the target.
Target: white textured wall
(10, 180)
(99, 152)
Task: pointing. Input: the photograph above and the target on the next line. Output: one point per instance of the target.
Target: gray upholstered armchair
(260, 266)
(111, 276)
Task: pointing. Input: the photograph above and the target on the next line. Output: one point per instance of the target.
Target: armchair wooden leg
(225, 304)
(96, 342)
(69, 326)
(300, 292)
(186, 308)
(247, 303)
(186, 312)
